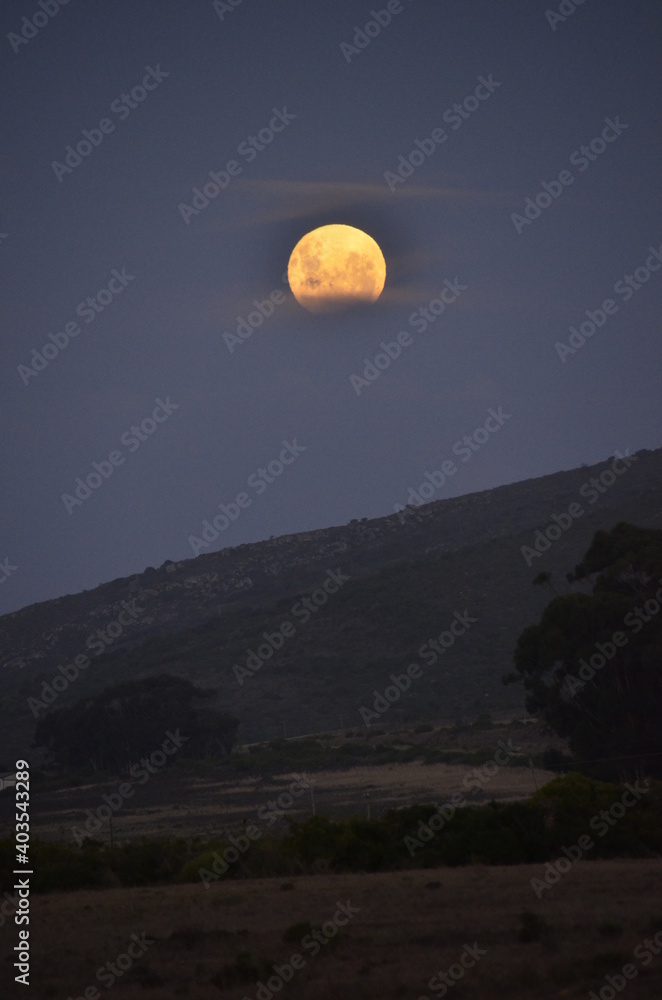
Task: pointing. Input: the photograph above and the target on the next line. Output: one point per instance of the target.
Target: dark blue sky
(157, 331)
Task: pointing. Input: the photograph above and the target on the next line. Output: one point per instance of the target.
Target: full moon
(334, 268)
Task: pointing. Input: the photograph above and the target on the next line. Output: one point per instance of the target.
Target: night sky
(305, 123)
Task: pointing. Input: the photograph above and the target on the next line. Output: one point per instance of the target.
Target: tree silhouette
(114, 729)
(544, 577)
(592, 666)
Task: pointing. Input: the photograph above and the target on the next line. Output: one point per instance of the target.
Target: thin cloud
(289, 200)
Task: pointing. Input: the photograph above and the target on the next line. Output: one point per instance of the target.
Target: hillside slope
(406, 580)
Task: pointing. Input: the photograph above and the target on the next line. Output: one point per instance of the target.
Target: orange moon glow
(334, 268)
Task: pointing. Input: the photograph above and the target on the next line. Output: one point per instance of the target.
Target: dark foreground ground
(408, 926)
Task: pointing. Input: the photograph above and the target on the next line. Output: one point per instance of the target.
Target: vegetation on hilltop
(592, 666)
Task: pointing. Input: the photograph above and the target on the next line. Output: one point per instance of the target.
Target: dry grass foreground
(409, 926)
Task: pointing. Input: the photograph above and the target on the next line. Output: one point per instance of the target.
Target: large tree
(123, 722)
(592, 666)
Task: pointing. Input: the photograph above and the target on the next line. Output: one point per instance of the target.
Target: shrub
(244, 969)
(533, 928)
(297, 931)
(609, 928)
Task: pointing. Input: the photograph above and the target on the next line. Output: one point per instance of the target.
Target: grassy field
(408, 926)
(399, 928)
(206, 806)
(205, 800)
